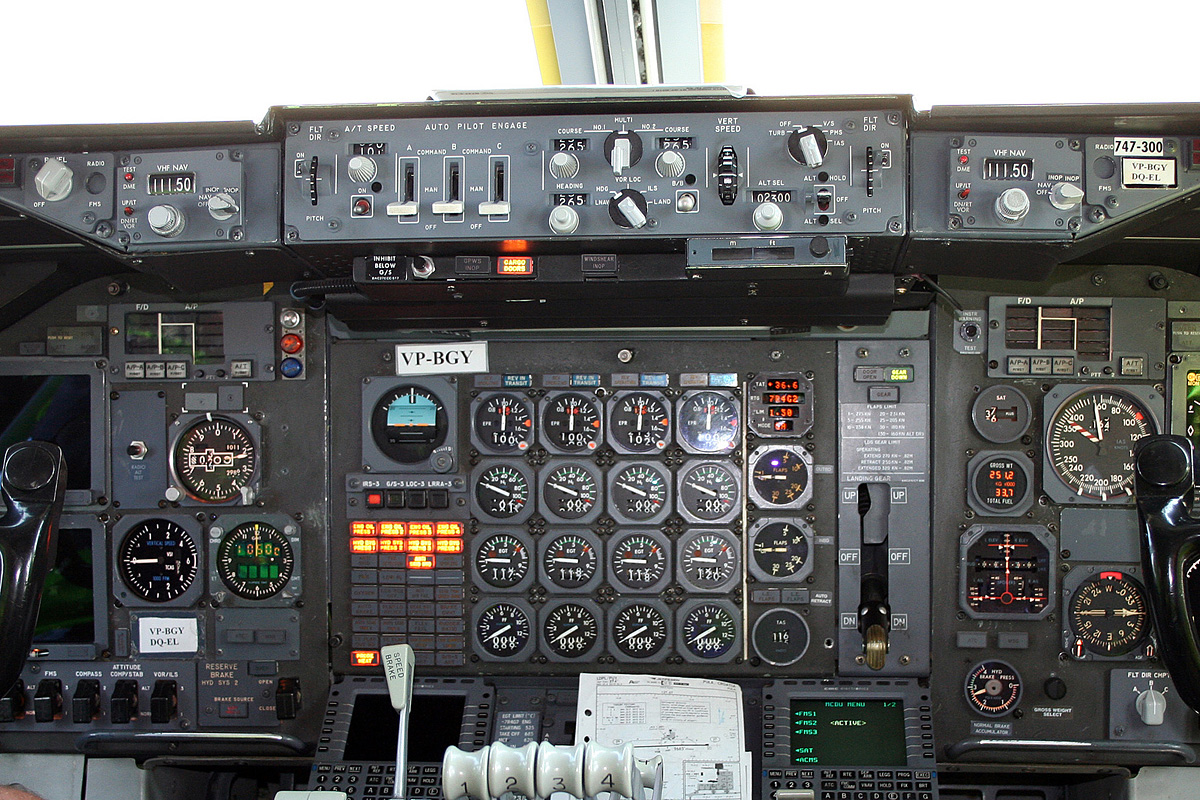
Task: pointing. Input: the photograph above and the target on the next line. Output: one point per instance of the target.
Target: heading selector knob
(1012, 205)
(564, 166)
(808, 146)
(166, 220)
(623, 150)
(54, 180)
(564, 219)
(670, 164)
(362, 169)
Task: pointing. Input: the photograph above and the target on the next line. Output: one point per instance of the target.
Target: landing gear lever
(874, 613)
(1170, 538)
(32, 484)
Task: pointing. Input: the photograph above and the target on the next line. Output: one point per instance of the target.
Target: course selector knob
(54, 180)
(564, 166)
(362, 169)
(222, 206)
(564, 219)
(768, 217)
(1012, 205)
(808, 146)
(670, 164)
(166, 220)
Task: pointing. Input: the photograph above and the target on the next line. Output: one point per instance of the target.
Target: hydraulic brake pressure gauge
(993, 688)
(639, 422)
(502, 423)
(571, 423)
(1089, 444)
(215, 459)
(708, 422)
(709, 491)
(255, 560)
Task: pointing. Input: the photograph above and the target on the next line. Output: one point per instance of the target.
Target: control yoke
(32, 483)
(1170, 549)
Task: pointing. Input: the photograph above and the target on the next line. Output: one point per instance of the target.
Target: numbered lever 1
(537, 771)
(874, 613)
(32, 484)
(1170, 539)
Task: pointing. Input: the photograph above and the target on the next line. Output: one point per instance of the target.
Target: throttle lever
(32, 484)
(1170, 541)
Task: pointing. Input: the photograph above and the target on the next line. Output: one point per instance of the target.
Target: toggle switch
(164, 702)
(85, 703)
(123, 705)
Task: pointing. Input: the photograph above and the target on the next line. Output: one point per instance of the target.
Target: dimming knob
(222, 206)
(808, 146)
(768, 217)
(166, 220)
(362, 169)
(54, 180)
(670, 164)
(1065, 196)
(1012, 205)
(564, 219)
(564, 166)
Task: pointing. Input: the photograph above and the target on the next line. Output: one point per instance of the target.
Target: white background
(162, 61)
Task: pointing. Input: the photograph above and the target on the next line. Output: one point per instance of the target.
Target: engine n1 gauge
(1007, 572)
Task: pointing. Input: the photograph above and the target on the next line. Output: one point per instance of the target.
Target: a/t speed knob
(564, 166)
(166, 220)
(1012, 205)
(362, 169)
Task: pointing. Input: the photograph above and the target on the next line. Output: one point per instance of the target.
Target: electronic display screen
(1008, 169)
(66, 615)
(167, 183)
(1192, 408)
(50, 408)
(1001, 483)
(434, 724)
(848, 733)
(571, 144)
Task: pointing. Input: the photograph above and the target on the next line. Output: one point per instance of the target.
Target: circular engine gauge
(502, 423)
(1000, 484)
(709, 491)
(502, 560)
(158, 560)
(708, 631)
(1108, 614)
(570, 492)
(993, 688)
(571, 561)
(1090, 440)
(709, 422)
(639, 422)
(571, 630)
(780, 637)
(501, 490)
(408, 424)
(504, 631)
(571, 423)
(214, 459)
(255, 560)
(780, 550)
(709, 561)
(779, 476)
(638, 492)
(638, 561)
(638, 632)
